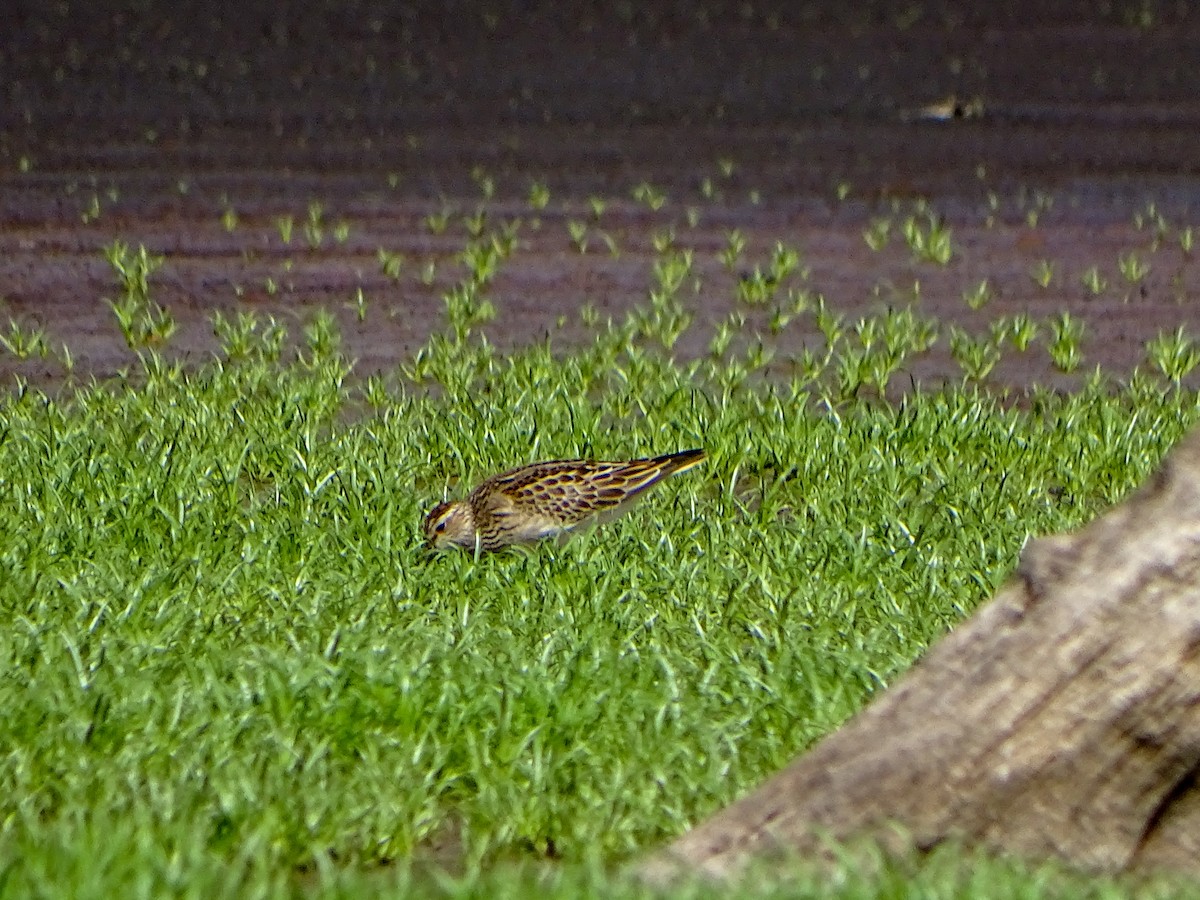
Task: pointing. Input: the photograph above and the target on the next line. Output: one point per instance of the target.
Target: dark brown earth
(147, 123)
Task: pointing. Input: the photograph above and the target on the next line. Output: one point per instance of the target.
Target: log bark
(1062, 719)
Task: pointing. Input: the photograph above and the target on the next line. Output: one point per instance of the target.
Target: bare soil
(148, 123)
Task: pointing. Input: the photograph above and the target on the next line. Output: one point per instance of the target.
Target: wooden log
(1062, 719)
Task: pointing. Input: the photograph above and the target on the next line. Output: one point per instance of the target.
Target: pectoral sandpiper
(547, 499)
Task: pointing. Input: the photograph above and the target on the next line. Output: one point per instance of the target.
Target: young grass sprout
(390, 263)
(475, 223)
(877, 234)
(24, 342)
(1093, 281)
(143, 322)
(663, 239)
(578, 232)
(1043, 273)
(246, 337)
(133, 269)
(652, 197)
(482, 259)
(539, 196)
(735, 243)
(314, 225)
(1175, 355)
(928, 238)
(1022, 330)
(975, 356)
(439, 220)
(359, 304)
(978, 296)
(485, 182)
(1133, 267)
(1066, 333)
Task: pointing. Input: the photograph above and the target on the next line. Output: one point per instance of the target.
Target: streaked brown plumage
(547, 499)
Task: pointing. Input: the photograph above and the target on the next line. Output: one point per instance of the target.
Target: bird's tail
(679, 462)
(646, 473)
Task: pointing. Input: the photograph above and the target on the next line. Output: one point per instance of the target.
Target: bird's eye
(440, 526)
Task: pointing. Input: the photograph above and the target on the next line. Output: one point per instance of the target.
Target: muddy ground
(194, 128)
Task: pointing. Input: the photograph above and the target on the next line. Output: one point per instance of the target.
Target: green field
(231, 668)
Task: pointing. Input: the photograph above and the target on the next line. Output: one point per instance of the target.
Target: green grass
(230, 667)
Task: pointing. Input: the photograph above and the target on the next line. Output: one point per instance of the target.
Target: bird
(547, 499)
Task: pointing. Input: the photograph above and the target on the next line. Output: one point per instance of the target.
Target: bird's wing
(568, 492)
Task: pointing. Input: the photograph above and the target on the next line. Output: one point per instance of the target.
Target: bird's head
(450, 523)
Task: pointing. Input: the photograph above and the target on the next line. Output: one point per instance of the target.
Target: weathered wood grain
(1063, 719)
